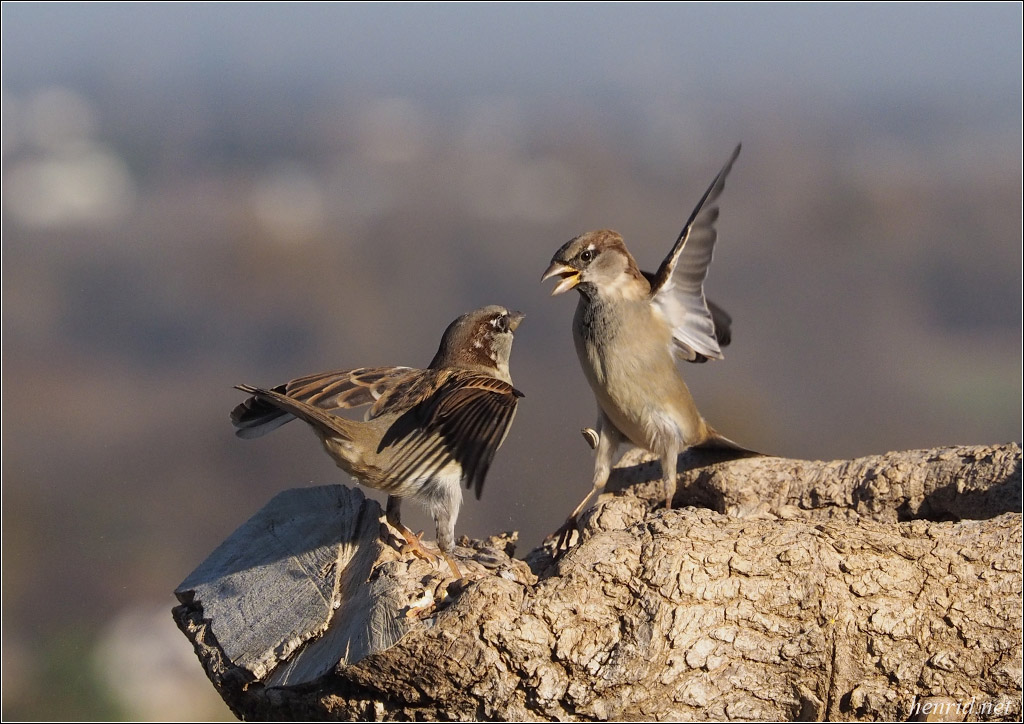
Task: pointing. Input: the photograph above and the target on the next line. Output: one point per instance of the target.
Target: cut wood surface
(867, 589)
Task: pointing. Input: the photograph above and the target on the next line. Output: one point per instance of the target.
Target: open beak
(514, 318)
(569, 277)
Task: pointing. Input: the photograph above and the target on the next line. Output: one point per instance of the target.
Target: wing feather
(465, 421)
(678, 287)
(334, 390)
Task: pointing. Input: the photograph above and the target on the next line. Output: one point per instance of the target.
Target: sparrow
(427, 431)
(630, 328)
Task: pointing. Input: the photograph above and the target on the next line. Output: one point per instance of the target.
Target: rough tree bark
(878, 588)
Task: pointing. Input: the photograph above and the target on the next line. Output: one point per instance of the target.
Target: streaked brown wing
(346, 389)
(334, 390)
(320, 419)
(678, 287)
(465, 421)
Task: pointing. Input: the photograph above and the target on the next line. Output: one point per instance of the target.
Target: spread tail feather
(269, 409)
(717, 441)
(256, 417)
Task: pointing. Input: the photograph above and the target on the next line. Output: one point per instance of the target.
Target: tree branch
(799, 590)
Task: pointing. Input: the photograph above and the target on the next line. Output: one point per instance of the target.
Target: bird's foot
(670, 493)
(388, 537)
(565, 537)
(665, 504)
(453, 566)
(414, 545)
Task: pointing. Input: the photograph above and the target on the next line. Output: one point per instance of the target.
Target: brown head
(481, 339)
(597, 262)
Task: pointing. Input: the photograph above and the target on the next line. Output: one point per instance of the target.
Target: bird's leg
(444, 514)
(607, 441)
(452, 565)
(394, 521)
(412, 541)
(668, 470)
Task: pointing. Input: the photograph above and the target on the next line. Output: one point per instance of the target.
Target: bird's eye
(587, 256)
(501, 323)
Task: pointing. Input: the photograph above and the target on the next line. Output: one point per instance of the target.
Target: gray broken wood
(817, 591)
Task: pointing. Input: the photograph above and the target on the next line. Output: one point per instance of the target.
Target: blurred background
(199, 195)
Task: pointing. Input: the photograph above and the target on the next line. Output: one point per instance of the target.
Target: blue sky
(972, 49)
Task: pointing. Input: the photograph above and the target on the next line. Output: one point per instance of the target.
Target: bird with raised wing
(427, 431)
(630, 328)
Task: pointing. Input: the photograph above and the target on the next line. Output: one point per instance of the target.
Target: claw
(414, 545)
(563, 537)
(452, 565)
